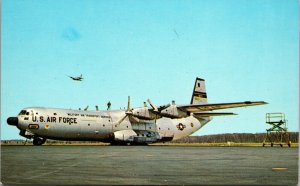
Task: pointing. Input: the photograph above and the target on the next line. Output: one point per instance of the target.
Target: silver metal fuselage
(68, 124)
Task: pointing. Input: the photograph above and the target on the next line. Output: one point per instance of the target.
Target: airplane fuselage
(67, 124)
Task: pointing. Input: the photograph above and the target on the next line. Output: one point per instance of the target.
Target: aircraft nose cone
(12, 121)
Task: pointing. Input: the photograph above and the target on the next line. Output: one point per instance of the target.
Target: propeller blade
(152, 105)
(163, 107)
(121, 120)
(128, 111)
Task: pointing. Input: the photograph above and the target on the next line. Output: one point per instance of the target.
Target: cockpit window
(23, 112)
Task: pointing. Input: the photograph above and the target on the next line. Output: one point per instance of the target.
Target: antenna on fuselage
(97, 108)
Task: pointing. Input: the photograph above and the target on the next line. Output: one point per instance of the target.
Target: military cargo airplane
(79, 78)
(143, 125)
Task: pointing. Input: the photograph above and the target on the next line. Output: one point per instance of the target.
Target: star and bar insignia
(180, 126)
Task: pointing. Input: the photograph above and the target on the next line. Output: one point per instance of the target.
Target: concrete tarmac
(148, 165)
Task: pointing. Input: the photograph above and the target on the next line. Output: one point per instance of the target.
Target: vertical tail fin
(199, 93)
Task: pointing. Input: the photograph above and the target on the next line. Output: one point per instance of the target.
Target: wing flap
(211, 107)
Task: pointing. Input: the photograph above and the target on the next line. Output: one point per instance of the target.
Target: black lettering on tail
(199, 95)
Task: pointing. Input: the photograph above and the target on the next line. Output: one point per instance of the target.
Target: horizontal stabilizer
(207, 114)
(211, 107)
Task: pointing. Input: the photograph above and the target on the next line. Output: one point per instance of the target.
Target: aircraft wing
(207, 114)
(211, 107)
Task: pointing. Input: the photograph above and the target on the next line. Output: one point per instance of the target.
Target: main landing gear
(38, 141)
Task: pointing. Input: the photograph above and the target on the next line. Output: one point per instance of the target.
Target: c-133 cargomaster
(141, 125)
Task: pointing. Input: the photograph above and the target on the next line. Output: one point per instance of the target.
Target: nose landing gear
(38, 141)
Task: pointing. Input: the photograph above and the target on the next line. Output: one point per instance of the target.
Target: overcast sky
(245, 50)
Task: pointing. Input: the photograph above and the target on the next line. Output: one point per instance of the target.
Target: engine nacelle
(173, 112)
(143, 113)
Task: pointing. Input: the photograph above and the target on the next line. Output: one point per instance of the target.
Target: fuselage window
(103, 125)
(54, 114)
(23, 112)
(27, 113)
(37, 113)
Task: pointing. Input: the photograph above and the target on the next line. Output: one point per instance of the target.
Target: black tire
(38, 141)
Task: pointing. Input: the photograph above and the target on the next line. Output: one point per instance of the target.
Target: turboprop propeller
(144, 113)
(128, 114)
(159, 109)
(153, 106)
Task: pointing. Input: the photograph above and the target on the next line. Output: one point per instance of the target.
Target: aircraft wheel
(38, 141)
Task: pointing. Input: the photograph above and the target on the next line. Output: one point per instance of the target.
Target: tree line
(216, 138)
(233, 137)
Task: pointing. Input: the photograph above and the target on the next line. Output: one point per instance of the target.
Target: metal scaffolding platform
(277, 134)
